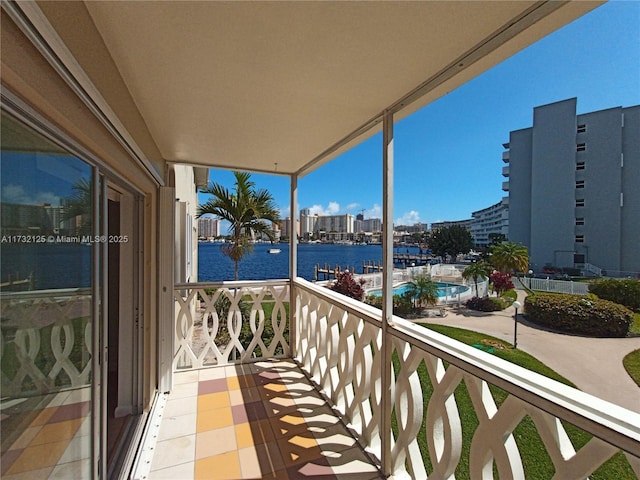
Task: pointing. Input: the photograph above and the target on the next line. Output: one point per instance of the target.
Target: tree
(508, 256)
(501, 282)
(497, 238)
(423, 290)
(476, 270)
(450, 240)
(247, 210)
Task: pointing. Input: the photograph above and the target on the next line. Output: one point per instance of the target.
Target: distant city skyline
(448, 155)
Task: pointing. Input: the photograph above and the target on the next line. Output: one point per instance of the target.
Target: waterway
(214, 266)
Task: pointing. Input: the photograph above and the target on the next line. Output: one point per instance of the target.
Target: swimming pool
(444, 290)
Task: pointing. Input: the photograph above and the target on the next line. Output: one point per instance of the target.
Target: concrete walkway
(594, 365)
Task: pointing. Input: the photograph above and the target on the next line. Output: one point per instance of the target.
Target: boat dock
(407, 259)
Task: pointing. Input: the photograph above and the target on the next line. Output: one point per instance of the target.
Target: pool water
(444, 289)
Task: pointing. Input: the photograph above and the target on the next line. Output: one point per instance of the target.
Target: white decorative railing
(45, 340)
(555, 286)
(339, 344)
(227, 322)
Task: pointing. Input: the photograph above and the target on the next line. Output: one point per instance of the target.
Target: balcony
(505, 186)
(315, 397)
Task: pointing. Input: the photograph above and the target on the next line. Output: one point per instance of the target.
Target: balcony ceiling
(273, 86)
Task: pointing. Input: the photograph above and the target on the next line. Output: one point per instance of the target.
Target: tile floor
(56, 442)
(257, 421)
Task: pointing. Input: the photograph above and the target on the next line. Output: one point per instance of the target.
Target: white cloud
(285, 212)
(408, 218)
(16, 194)
(332, 209)
(351, 206)
(373, 212)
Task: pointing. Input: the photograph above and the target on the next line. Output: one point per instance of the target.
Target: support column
(293, 264)
(387, 288)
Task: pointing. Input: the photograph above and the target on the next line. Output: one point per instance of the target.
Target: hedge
(485, 304)
(623, 291)
(589, 315)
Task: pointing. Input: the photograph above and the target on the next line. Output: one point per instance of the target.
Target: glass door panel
(47, 307)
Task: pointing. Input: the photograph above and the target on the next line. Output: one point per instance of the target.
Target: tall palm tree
(247, 210)
(508, 256)
(423, 290)
(476, 270)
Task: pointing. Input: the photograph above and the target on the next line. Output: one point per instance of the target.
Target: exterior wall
(186, 246)
(630, 234)
(602, 175)
(573, 187)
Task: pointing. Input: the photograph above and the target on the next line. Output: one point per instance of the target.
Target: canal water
(214, 266)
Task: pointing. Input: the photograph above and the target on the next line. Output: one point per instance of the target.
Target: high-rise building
(574, 188)
(493, 219)
(208, 227)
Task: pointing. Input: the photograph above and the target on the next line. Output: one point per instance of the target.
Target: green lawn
(635, 326)
(632, 365)
(536, 461)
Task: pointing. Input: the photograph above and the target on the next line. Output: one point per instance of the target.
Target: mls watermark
(59, 239)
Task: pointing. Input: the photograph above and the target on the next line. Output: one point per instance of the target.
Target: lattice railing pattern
(45, 340)
(223, 323)
(339, 344)
(340, 350)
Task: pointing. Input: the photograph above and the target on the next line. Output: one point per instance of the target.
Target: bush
(624, 291)
(501, 282)
(485, 304)
(581, 315)
(347, 285)
(402, 304)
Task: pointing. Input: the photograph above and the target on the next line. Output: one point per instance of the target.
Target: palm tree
(476, 270)
(247, 210)
(423, 290)
(508, 256)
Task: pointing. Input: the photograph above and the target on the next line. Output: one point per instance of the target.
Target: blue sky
(448, 155)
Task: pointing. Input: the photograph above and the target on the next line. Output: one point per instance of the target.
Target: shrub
(402, 304)
(485, 304)
(347, 285)
(623, 291)
(501, 282)
(580, 315)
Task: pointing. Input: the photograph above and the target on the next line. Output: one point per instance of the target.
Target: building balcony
(279, 379)
(505, 156)
(505, 171)
(505, 186)
(256, 396)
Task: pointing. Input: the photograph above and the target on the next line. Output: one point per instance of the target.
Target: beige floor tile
(215, 442)
(249, 463)
(173, 427)
(174, 451)
(183, 390)
(184, 471)
(66, 471)
(181, 406)
(192, 376)
(25, 439)
(244, 436)
(79, 449)
(211, 373)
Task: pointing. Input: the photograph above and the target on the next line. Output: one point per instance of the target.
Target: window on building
(579, 183)
(580, 202)
(580, 221)
(579, 238)
(581, 147)
(582, 128)
(580, 166)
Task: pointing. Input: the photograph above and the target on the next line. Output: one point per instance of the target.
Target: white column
(387, 287)
(293, 263)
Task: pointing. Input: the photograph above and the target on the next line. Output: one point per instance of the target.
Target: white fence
(555, 286)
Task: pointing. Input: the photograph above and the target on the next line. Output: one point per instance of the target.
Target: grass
(635, 326)
(536, 461)
(631, 364)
